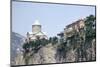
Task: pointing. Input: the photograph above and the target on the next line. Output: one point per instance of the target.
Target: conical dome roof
(36, 22)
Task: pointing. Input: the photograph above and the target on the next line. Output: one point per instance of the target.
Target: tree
(50, 39)
(54, 40)
(44, 41)
(25, 46)
(90, 32)
(90, 23)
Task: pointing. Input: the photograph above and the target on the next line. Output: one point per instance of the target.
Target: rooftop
(36, 22)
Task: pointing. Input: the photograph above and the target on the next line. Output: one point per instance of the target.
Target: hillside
(16, 44)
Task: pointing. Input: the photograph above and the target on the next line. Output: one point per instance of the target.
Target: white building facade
(36, 32)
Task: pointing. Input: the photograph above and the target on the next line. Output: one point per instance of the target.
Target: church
(36, 32)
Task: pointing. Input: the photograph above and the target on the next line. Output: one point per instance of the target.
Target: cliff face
(54, 54)
(45, 54)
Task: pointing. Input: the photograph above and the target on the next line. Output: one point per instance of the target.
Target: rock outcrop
(51, 54)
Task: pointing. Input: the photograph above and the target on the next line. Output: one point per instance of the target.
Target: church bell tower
(36, 27)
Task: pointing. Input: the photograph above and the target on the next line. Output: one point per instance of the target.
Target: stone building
(70, 29)
(76, 26)
(36, 32)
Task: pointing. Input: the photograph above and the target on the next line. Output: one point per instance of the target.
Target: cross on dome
(36, 22)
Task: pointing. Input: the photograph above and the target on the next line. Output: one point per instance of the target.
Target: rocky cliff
(56, 54)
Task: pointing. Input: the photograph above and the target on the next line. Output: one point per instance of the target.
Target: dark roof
(60, 34)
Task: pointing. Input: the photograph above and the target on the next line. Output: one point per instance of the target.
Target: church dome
(36, 22)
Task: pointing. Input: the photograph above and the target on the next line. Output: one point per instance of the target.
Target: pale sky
(52, 17)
